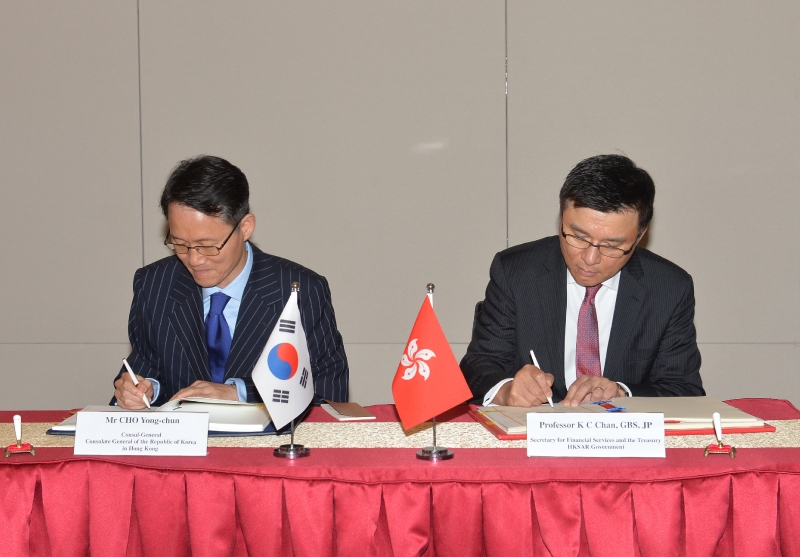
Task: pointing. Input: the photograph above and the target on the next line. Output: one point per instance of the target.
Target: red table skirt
(376, 502)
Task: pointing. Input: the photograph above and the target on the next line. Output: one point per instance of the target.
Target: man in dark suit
(201, 318)
(603, 317)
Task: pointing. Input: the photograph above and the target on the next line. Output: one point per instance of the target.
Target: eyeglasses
(608, 251)
(208, 251)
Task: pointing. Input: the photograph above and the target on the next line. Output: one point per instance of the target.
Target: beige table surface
(464, 435)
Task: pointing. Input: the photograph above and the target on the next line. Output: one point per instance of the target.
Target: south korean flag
(282, 374)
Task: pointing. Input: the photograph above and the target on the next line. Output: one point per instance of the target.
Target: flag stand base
(291, 451)
(434, 453)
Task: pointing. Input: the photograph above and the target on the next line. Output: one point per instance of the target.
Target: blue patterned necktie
(218, 337)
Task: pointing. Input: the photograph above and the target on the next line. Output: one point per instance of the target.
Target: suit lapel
(258, 310)
(629, 300)
(549, 337)
(187, 322)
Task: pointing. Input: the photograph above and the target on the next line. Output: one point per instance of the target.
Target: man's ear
(641, 235)
(248, 225)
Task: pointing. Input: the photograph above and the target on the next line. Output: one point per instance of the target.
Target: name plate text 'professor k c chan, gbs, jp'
(596, 435)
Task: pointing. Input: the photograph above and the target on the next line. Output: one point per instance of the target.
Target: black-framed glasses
(207, 251)
(607, 251)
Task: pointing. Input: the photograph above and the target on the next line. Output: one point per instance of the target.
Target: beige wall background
(384, 152)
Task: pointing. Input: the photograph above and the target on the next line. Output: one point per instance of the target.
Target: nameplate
(598, 435)
(141, 433)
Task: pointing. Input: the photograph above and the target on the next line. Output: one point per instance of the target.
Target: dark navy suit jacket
(167, 331)
(652, 347)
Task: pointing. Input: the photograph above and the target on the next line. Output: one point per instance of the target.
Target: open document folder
(683, 415)
(227, 416)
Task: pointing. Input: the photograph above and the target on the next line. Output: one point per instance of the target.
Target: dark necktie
(218, 337)
(587, 347)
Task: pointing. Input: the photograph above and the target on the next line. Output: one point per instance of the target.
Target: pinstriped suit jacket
(652, 347)
(167, 331)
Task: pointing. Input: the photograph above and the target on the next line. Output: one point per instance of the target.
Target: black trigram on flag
(304, 378)
(286, 326)
(280, 396)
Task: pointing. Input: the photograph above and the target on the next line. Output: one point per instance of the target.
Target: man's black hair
(210, 185)
(610, 184)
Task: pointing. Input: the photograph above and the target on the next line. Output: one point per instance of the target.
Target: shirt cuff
(241, 389)
(156, 388)
(625, 388)
(487, 400)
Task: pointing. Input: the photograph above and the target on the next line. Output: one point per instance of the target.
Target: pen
(717, 427)
(136, 381)
(536, 363)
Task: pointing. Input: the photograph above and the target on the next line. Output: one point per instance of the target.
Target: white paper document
(680, 413)
(228, 416)
(514, 419)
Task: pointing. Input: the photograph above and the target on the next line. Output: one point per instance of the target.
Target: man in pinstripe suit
(206, 203)
(603, 317)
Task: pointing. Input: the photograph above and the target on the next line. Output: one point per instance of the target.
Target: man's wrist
(500, 397)
(241, 389)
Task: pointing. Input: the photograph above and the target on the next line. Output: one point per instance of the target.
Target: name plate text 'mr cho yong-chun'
(141, 433)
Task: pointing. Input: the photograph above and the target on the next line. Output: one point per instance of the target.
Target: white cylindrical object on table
(717, 426)
(18, 427)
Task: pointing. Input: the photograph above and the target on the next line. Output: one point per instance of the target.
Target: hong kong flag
(428, 380)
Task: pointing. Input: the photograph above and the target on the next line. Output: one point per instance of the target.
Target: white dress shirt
(604, 302)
